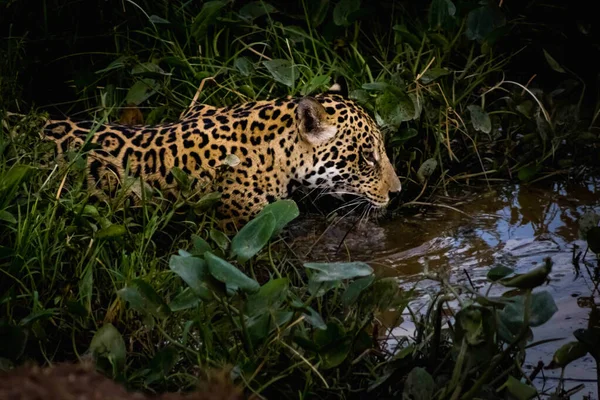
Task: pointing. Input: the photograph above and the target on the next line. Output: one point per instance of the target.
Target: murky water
(511, 225)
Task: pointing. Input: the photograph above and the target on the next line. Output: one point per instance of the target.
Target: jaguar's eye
(370, 159)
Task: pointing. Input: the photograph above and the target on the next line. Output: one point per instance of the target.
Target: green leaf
(480, 119)
(343, 10)
(375, 86)
(336, 271)
(244, 66)
(543, 308)
(185, 300)
(269, 297)
(318, 289)
(207, 16)
(593, 239)
(141, 91)
(586, 222)
(258, 327)
(531, 279)
(426, 169)
(336, 354)
(162, 363)
(111, 232)
(498, 273)
(314, 318)
(200, 246)
(147, 69)
(518, 389)
(315, 84)
(566, 354)
(223, 271)
(432, 74)
(334, 332)
(7, 217)
(256, 9)
(142, 297)
(194, 272)
(253, 237)
(403, 135)
(108, 344)
(283, 71)
(441, 13)
(552, 63)
(182, 179)
(395, 107)
(354, 290)
(219, 238)
(419, 385)
(284, 212)
(13, 178)
(207, 201)
(528, 172)
(482, 21)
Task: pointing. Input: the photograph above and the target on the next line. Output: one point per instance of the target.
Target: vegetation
(156, 293)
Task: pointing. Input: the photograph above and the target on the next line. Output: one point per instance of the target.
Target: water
(511, 225)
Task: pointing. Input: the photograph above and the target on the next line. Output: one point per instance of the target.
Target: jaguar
(253, 153)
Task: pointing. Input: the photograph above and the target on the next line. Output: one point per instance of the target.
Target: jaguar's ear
(339, 87)
(313, 122)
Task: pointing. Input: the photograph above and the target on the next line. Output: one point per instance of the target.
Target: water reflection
(512, 225)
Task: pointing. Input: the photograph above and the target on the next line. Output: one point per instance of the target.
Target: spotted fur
(326, 142)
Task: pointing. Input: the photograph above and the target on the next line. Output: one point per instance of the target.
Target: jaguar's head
(347, 153)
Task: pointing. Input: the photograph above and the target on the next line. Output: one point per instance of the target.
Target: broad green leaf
(354, 290)
(194, 272)
(207, 201)
(147, 69)
(480, 119)
(258, 327)
(403, 135)
(108, 343)
(13, 178)
(335, 271)
(476, 326)
(375, 86)
(336, 354)
(343, 11)
(383, 294)
(244, 66)
(317, 82)
(498, 273)
(395, 108)
(207, 16)
(334, 332)
(586, 222)
(7, 217)
(113, 231)
(155, 19)
(223, 271)
(219, 238)
(531, 279)
(484, 20)
(270, 296)
(432, 74)
(182, 179)
(318, 289)
(419, 385)
(593, 239)
(185, 300)
(256, 9)
(543, 308)
(518, 389)
(253, 237)
(162, 363)
(317, 11)
(407, 36)
(119, 63)
(552, 63)
(200, 246)
(528, 172)
(284, 212)
(314, 318)
(566, 354)
(283, 71)
(361, 96)
(441, 13)
(142, 297)
(426, 169)
(141, 91)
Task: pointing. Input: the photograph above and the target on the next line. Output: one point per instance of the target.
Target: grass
(107, 279)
